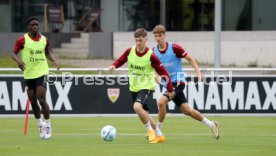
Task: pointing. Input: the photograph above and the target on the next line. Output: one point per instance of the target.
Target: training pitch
(240, 136)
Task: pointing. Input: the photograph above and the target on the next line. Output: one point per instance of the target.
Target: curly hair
(31, 18)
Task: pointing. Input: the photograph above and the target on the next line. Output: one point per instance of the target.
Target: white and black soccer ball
(108, 133)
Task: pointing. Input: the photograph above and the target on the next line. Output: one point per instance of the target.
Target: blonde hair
(159, 29)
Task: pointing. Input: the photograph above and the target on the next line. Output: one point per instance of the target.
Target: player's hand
(21, 65)
(200, 77)
(56, 65)
(111, 68)
(158, 79)
(171, 95)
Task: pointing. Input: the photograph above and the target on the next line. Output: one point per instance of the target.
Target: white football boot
(42, 130)
(48, 133)
(215, 129)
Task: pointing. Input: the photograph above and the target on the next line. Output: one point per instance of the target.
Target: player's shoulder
(128, 50)
(153, 56)
(43, 36)
(21, 37)
(175, 44)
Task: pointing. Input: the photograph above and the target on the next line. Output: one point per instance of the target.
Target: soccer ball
(108, 133)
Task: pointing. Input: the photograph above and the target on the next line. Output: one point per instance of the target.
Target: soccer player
(142, 64)
(170, 55)
(30, 53)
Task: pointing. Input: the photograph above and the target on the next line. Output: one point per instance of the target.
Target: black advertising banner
(231, 95)
(110, 95)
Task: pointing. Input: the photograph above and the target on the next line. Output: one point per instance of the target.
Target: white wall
(240, 48)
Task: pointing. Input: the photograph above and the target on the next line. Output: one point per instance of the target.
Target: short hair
(159, 29)
(29, 19)
(140, 32)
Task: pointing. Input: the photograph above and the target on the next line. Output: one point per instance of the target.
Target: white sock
(48, 124)
(39, 122)
(159, 125)
(158, 132)
(159, 128)
(148, 126)
(207, 122)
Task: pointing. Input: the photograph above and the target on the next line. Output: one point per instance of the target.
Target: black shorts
(179, 97)
(142, 97)
(34, 83)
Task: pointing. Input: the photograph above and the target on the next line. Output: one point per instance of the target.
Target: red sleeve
(19, 44)
(47, 46)
(160, 69)
(179, 51)
(122, 59)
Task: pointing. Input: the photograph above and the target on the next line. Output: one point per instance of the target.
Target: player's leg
(146, 108)
(185, 109)
(41, 96)
(198, 116)
(162, 108)
(142, 114)
(144, 118)
(181, 101)
(152, 122)
(140, 101)
(32, 97)
(162, 111)
(31, 92)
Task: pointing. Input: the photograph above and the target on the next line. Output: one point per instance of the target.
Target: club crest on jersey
(113, 94)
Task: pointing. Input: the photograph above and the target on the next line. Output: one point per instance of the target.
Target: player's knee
(161, 105)
(42, 101)
(188, 113)
(137, 107)
(33, 102)
(186, 110)
(35, 106)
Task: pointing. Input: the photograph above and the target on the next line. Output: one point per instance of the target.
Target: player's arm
(19, 44)
(158, 78)
(160, 70)
(19, 62)
(50, 56)
(195, 65)
(181, 53)
(121, 60)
